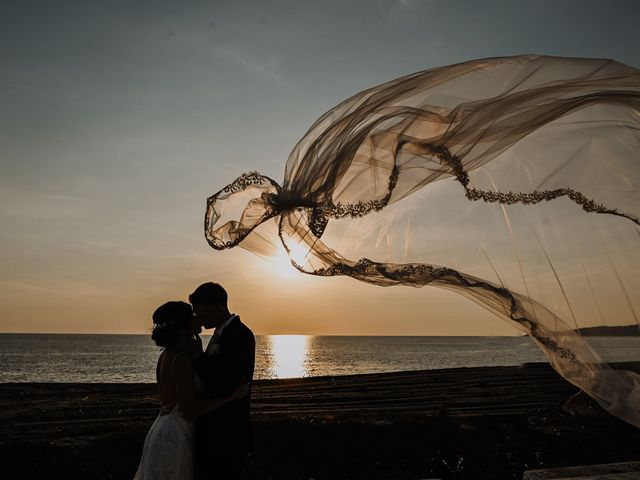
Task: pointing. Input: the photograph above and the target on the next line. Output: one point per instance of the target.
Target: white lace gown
(168, 448)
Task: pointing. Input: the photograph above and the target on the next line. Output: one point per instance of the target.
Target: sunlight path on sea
(289, 355)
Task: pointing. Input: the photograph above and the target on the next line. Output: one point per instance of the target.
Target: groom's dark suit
(223, 437)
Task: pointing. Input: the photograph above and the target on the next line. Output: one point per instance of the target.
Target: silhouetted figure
(168, 447)
(222, 437)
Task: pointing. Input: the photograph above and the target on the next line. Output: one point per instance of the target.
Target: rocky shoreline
(475, 423)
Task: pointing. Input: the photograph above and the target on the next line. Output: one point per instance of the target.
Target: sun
(281, 262)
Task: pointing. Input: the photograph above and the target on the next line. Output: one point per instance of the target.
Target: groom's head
(209, 302)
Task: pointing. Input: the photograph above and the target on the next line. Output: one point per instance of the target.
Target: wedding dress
(168, 448)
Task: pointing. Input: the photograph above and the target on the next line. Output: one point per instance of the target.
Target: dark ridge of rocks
(489, 422)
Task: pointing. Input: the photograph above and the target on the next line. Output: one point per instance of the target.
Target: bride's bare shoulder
(181, 363)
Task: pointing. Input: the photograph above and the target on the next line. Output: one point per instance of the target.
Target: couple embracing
(203, 430)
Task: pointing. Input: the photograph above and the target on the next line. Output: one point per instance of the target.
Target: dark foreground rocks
(475, 423)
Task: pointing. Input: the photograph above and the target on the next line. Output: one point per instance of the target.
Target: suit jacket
(227, 429)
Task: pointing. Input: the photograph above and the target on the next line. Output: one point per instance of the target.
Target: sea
(79, 358)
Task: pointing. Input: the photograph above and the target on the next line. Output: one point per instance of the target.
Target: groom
(222, 437)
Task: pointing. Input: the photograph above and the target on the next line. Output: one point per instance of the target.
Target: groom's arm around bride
(223, 437)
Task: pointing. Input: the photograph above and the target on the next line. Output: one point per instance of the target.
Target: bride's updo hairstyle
(168, 321)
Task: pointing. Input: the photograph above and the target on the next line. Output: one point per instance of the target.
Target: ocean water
(132, 358)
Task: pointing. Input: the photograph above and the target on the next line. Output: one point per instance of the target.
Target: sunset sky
(118, 119)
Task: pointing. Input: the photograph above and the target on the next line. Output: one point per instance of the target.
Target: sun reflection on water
(290, 354)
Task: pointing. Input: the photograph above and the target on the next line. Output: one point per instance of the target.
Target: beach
(484, 422)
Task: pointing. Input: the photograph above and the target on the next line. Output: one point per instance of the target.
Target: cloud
(69, 289)
(392, 8)
(269, 68)
(28, 203)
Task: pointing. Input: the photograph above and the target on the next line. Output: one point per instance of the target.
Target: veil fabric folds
(521, 131)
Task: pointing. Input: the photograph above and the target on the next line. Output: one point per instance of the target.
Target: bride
(168, 447)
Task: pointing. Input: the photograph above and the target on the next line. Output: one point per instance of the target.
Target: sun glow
(281, 262)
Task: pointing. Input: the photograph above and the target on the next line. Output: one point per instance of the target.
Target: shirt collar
(221, 328)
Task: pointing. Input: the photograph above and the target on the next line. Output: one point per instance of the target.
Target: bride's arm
(190, 404)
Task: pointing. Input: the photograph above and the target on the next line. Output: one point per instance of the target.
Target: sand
(475, 423)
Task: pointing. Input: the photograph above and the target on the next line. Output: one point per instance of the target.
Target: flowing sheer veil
(550, 146)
